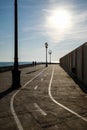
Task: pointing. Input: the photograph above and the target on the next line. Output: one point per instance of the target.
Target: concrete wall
(75, 63)
(79, 63)
(85, 64)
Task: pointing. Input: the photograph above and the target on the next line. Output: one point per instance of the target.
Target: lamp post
(50, 52)
(46, 46)
(15, 71)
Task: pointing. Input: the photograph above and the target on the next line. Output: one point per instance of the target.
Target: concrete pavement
(48, 100)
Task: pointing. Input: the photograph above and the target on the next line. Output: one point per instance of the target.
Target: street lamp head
(50, 52)
(46, 45)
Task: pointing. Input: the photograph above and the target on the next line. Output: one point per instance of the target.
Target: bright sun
(59, 19)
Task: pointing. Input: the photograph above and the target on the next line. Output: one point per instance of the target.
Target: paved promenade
(48, 100)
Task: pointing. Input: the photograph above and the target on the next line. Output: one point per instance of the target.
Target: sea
(4, 64)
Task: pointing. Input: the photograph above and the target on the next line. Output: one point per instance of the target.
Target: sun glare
(59, 19)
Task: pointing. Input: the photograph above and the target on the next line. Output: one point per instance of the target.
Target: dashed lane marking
(39, 109)
(35, 87)
(19, 125)
(59, 104)
(42, 79)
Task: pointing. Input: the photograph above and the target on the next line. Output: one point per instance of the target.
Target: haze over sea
(3, 64)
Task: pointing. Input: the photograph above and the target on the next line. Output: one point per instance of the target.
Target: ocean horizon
(4, 64)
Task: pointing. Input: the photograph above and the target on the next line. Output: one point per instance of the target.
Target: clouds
(34, 28)
(53, 30)
(79, 28)
(80, 17)
(75, 33)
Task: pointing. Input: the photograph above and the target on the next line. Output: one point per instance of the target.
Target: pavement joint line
(35, 87)
(17, 121)
(59, 104)
(39, 109)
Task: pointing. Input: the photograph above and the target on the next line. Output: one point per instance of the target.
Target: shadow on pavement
(81, 85)
(33, 71)
(6, 92)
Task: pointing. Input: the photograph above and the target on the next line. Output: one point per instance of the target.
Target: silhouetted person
(35, 63)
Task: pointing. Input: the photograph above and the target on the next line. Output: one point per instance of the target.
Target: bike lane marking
(39, 109)
(59, 104)
(18, 123)
(35, 87)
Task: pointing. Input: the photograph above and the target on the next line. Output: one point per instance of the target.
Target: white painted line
(42, 79)
(40, 110)
(59, 104)
(35, 87)
(19, 125)
(14, 113)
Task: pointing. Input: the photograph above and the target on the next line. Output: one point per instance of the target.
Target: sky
(60, 23)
